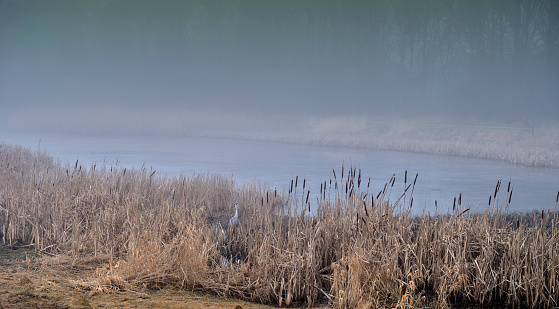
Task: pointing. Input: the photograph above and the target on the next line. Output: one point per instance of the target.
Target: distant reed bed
(512, 143)
(361, 249)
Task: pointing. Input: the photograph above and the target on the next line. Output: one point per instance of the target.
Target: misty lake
(271, 164)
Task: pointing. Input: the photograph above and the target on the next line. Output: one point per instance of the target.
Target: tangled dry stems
(361, 249)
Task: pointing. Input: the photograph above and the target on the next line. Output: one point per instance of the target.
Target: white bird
(235, 220)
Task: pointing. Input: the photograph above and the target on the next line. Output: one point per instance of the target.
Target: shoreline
(527, 146)
(521, 146)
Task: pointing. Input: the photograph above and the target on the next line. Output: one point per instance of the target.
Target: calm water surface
(440, 178)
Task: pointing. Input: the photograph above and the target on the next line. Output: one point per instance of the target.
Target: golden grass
(361, 249)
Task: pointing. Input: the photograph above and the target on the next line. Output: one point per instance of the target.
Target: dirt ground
(28, 281)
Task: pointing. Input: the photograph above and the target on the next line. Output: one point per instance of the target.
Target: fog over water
(132, 66)
(122, 68)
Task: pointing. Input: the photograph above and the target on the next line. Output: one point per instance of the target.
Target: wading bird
(235, 220)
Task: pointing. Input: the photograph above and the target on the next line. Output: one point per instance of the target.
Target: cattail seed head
(510, 195)
(454, 204)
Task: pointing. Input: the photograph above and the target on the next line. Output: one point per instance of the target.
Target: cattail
(365, 207)
(417, 174)
(435, 203)
(304, 181)
(296, 180)
(262, 202)
(369, 182)
(321, 188)
(309, 204)
(406, 177)
(275, 191)
(124, 172)
(557, 198)
(393, 181)
(497, 188)
(334, 171)
(542, 214)
(308, 192)
(411, 202)
(510, 195)
(76, 165)
(490, 200)
(460, 199)
(267, 200)
(508, 189)
(342, 171)
(378, 195)
(152, 173)
(291, 188)
(454, 204)
(346, 187)
(517, 223)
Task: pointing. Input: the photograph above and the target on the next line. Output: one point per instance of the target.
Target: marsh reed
(359, 249)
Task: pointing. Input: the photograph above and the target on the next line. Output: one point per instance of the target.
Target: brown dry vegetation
(31, 281)
(361, 249)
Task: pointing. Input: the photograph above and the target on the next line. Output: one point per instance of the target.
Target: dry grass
(514, 143)
(361, 249)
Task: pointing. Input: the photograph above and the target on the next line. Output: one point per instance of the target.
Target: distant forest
(471, 57)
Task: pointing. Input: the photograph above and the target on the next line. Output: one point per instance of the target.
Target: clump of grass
(360, 249)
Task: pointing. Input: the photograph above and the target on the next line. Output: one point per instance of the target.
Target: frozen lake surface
(440, 178)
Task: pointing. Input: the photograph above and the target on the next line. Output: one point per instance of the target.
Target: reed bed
(513, 143)
(359, 249)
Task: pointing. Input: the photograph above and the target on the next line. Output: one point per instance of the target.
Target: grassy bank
(361, 249)
(534, 145)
